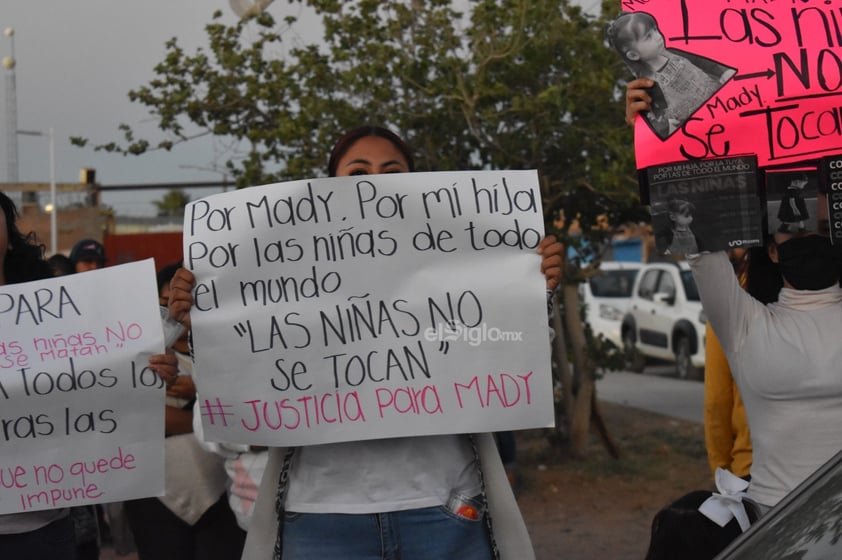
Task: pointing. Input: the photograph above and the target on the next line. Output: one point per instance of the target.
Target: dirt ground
(599, 507)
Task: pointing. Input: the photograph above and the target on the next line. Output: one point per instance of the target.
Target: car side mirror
(664, 297)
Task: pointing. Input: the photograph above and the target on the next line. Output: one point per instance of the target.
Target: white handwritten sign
(81, 417)
(369, 307)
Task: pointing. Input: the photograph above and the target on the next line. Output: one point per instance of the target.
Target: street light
(9, 63)
(54, 208)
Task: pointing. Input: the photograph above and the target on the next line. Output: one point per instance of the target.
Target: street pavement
(654, 391)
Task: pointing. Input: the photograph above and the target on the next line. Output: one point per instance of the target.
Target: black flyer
(705, 205)
(831, 182)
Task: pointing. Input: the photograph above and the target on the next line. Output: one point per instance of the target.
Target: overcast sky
(77, 61)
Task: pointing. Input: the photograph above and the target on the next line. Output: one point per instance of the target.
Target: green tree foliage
(172, 203)
(506, 84)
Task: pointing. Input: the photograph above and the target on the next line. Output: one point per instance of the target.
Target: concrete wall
(72, 224)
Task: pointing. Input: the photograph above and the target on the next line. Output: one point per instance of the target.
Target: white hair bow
(728, 503)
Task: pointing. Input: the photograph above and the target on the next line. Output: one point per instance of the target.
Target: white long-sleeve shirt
(787, 361)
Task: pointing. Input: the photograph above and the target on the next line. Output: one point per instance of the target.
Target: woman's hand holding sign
(551, 256)
(637, 98)
(179, 303)
(166, 366)
(181, 296)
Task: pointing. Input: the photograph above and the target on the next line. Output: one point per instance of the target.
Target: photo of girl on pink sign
(683, 81)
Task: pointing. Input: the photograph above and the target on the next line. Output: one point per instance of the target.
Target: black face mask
(810, 263)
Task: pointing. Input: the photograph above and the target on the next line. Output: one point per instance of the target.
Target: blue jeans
(433, 533)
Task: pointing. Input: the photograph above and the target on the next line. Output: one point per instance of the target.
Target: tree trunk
(578, 388)
(602, 428)
(583, 382)
(565, 376)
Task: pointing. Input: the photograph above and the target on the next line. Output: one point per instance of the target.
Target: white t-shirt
(383, 475)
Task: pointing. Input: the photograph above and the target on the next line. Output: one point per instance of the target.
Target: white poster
(81, 417)
(369, 307)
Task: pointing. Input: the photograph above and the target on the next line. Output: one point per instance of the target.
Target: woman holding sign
(47, 533)
(414, 497)
(785, 356)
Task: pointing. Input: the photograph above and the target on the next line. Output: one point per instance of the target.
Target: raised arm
(729, 308)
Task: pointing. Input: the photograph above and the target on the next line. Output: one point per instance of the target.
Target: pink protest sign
(736, 78)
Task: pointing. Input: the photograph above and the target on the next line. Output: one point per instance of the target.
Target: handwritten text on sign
(783, 104)
(368, 307)
(81, 417)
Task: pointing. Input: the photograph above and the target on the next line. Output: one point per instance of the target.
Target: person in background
(192, 520)
(89, 521)
(61, 265)
(103, 523)
(244, 465)
(87, 254)
(507, 445)
(44, 534)
(785, 356)
(371, 499)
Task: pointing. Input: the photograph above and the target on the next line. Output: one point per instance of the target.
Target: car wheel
(684, 367)
(635, 361)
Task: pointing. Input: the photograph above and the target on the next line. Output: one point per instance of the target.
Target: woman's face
(371, 155)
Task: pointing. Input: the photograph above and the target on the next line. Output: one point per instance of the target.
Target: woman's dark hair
(24, 258)
(763, 279)
(61, 265)
(166, 274)
(681, 531)
(349, 138)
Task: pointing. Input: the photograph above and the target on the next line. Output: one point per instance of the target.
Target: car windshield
(613, 283)
(690, 286)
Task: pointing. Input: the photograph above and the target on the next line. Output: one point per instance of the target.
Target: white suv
(665, 319)
(606, 296)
